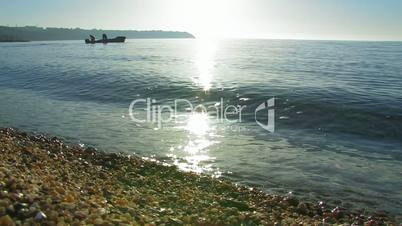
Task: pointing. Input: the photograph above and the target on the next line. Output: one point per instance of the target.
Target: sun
(209, 18)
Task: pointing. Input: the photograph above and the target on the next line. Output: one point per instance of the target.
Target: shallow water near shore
(338, 109)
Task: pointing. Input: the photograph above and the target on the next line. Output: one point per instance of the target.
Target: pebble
(337, 213)
(302, 208)
(6, 221)
(81, 215)
(40, 216)
(98, 221)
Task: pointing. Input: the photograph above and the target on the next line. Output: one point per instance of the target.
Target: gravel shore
(46, 182)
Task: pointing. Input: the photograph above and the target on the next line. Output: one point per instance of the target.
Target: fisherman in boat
(104, 39)
(92, 38)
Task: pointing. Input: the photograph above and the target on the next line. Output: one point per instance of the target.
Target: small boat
(112, 40)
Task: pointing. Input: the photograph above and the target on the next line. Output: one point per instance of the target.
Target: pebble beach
(45, 181)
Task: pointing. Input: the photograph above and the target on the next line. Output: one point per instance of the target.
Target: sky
(282, 19)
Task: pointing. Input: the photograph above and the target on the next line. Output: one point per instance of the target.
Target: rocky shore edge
(44, 181)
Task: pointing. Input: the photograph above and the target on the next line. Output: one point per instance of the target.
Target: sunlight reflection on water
(205, 62)
(201, 134)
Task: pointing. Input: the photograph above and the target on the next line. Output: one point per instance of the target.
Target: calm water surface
(338, 109)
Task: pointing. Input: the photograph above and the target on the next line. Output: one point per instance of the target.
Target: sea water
(337, 109)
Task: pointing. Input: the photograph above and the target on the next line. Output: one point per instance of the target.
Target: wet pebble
(40, 216)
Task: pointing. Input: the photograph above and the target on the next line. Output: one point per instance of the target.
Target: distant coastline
(13, 40)
(33, 33)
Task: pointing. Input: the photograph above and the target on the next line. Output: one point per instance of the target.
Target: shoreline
(46, 182)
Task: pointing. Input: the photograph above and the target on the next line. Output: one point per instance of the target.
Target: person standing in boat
(104, 37)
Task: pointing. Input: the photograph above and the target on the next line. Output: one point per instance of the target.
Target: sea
(320, 119)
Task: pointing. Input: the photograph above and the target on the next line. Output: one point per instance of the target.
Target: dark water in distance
(338, 108)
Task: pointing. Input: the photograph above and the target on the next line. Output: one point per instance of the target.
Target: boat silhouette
(105, 40)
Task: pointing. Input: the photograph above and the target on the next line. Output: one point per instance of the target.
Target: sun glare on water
(198, 124)
(205, 62)
(195, 152)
